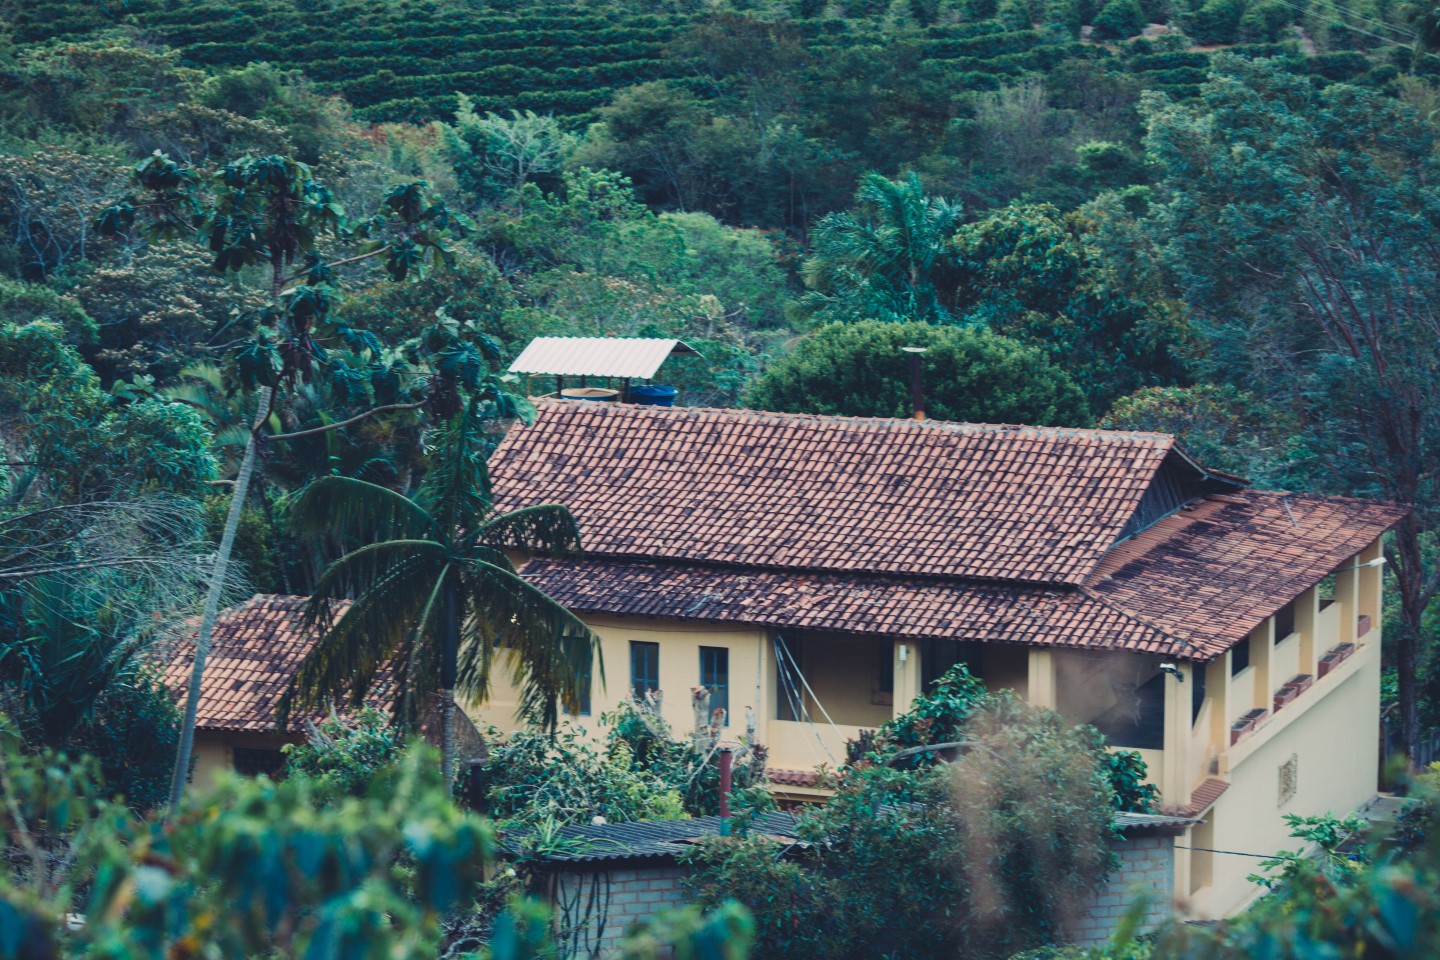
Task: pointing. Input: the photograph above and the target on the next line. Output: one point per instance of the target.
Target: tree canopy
(970, 374)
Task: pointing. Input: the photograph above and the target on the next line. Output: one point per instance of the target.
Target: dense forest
(1213, 218)
(249, 244)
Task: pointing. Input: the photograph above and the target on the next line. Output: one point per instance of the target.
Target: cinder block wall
(1147, 868)
(596, 908)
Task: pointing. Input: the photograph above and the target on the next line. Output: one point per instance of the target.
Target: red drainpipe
(726, 759)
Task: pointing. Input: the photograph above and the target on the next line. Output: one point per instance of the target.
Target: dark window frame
(1240, 657)
(254, 761)
(1285, 621)
(715, 677)
(649, 664)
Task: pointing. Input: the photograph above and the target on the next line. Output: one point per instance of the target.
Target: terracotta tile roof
(795, 778)
(1032, 504)
(256, 647)
(1202, 798)
(890, 606)
(1215, 571)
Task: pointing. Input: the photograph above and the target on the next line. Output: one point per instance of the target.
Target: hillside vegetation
(1209, 217)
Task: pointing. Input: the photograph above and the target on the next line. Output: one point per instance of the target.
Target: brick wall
(595, 908)
(1147, 868)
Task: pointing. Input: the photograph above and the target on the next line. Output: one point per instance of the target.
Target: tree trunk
(212, 601)
(449, 666)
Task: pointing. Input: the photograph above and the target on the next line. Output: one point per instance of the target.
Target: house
(255, 649)
(820, 571)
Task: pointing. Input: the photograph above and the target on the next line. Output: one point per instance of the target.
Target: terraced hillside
(408, 61)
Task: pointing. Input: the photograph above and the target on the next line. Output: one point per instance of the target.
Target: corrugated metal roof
(1152, 821)
(598, 356)
(650, 838)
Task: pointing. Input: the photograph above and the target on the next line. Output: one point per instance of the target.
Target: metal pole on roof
(917, 386)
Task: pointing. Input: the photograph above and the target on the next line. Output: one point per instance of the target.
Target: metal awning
(598, 356)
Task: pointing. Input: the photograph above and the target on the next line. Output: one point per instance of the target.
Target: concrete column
(1368, 601)
(1217, 691)
(1307, 609)
(1041, 686)
(909, 677)
(764, 688)
(1346, 596)
(1262, 642)
(1174, 779)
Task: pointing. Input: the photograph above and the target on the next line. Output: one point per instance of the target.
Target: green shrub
(973, 375)
(1217, 22)
(1120, 20)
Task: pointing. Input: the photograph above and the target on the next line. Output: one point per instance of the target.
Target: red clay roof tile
(255, 649)
(1032, 504)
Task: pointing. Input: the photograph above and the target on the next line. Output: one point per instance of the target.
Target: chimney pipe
(726, 759)
(917, 387)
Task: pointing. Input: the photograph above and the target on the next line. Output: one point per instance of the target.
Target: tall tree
(888, 260)
(435, 596)
(271, 213)
(1301, 225)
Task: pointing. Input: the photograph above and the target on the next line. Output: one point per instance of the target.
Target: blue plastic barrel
(653, 394)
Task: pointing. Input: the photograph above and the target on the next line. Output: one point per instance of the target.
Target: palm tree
(888, 261)
(435, 596)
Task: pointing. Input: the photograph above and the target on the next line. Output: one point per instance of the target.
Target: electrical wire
(1341, 23)
(782, 649)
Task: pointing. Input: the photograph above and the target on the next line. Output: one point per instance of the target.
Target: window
(884, 691)
(1240, 657)
(715, 677)
(250, 762)
(586, 673)
(644, 667)
(1197, 691)
(1285, 621)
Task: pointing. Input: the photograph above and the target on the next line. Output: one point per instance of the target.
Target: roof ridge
(957, 426)
(731, 566)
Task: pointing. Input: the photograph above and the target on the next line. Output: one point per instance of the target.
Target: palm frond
(548, 647)
(355, 511)
(457, 491)
(363, 570)
(347, 655)
(546, 527)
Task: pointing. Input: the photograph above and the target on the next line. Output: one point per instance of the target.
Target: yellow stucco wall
(1332, 732)
(214, 752)
(680, 642)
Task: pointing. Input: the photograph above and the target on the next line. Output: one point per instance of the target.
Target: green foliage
(346, 753)
(1065, 283)
(435, 593)
(531, 779)
(1223, 426)
(256, 866)
(972, 375)
(27, 302)
(1218, 21)
(886, 261)
(1327, 837)
(978, 859)
(1120, 20)
(941, 715)
(1277, 172)
(937, 716)
(685, 770)
(85, 443)
(1128, 776)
